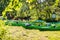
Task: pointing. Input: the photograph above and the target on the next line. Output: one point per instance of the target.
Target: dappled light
(29, 19)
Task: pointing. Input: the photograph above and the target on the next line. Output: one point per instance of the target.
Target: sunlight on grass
(20, 33)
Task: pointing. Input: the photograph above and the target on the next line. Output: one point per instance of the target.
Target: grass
(20, 33)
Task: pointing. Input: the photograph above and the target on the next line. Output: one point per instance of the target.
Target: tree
(3, 5)
(36, 9)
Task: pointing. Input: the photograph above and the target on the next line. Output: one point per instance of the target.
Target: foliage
(3, 5)
(2, 30)
(32, 8)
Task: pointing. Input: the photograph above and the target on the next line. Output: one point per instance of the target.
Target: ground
(20, 33)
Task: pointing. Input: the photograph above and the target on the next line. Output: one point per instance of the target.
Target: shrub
(2, 29)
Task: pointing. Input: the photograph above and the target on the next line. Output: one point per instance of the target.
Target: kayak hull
(42, 28)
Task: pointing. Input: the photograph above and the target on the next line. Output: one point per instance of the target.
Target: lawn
(20, 33)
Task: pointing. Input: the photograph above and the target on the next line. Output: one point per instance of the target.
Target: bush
(2, 32)
(2, 29)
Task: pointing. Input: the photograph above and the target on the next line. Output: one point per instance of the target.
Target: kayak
(31, 25)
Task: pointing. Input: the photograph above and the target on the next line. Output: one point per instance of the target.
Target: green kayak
(33, 25)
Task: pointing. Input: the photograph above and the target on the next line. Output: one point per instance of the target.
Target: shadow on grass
(41, 29)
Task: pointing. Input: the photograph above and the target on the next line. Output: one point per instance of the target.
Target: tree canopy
(36, 9)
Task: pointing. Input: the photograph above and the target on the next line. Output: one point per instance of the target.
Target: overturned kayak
(31, 25)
